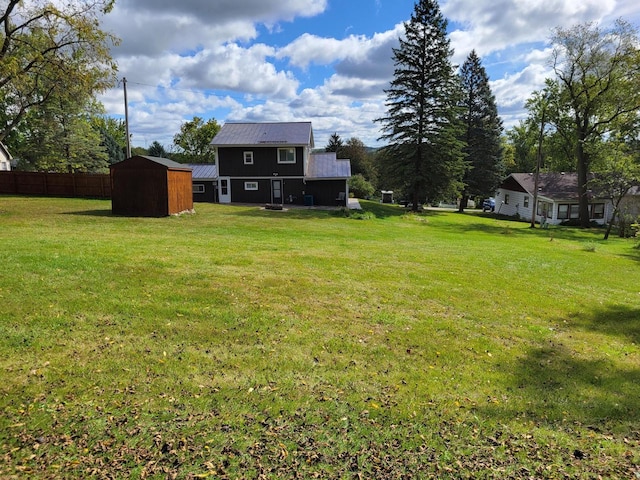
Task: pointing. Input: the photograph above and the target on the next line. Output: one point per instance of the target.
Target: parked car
(489, 205)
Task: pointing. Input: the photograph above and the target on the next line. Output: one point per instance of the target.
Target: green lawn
(244, 343)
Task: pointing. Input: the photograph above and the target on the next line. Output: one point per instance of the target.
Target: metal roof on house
(326, 165)
(284, 133)
(203, 171)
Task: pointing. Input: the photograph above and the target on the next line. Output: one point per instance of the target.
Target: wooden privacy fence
(56, 184)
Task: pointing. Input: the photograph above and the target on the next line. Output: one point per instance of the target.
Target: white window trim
(198, 188)
(248, 158)
(287, 148)
(251, 186)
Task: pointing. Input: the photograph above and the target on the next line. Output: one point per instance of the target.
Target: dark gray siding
(265, 162)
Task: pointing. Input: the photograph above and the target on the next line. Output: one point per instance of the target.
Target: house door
(224, 189)
(276, 191)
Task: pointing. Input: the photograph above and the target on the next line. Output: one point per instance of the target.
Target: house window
(248, 158)
(286, 155)
(526, 201)
(251, 185)
(597, 210)
(574, 211)
(224, 187)
(563, 212)
(198, 188)
(544, 209)
(506, 199)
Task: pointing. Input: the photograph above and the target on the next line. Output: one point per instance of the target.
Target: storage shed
(150, 187)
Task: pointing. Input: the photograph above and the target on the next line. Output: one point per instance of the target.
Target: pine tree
(424, 158)
(483, 128)
(335, 143)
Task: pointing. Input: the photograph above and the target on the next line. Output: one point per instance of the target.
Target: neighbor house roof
(203, 171)
(326, 165)
(4, 152)
(559, 186)
(554, 186)
(284, 133)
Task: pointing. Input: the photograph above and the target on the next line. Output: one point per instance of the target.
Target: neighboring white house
(557, 198)
(5, 158)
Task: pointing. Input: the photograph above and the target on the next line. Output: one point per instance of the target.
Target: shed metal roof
(326, 165)
(283, 133)
(166, 162)
(203, 171)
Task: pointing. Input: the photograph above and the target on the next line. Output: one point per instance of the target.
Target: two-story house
(274, 163)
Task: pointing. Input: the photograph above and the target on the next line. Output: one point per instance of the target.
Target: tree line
(445, 137)
(442, 133)
(54, 62)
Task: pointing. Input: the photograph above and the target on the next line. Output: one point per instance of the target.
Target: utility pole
(538, 164)
(126, 117)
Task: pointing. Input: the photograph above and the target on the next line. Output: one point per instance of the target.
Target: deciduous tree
(615, 177)
(194, 140)
(47, 47)
(598, 73)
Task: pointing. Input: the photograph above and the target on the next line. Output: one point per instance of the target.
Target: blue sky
(324, 61)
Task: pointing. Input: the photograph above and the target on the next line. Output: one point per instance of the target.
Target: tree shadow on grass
(616, 320)
(553, 383)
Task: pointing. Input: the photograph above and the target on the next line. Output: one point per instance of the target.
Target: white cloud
(492, 25)
(195, 57)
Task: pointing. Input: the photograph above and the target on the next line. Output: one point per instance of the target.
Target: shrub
(360, 186)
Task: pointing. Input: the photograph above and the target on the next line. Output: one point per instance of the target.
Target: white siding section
(514, 205)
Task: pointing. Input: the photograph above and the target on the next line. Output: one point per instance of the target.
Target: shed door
(224, 189)
(276, 191)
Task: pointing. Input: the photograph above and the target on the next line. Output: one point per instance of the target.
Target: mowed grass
(244, 343)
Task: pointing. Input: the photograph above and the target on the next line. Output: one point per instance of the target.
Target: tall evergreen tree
(335, 143)
(424, 157)
(156, 149)
(483, 128)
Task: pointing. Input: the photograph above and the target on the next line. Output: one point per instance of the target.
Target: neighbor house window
(286, 155)
(544, 209)
(198, 188)
(563, 212)
(251, 185)
(597, 210)
(574, 211)
(224, 187)
(526, 201)
(248, 158)
(506, 199)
